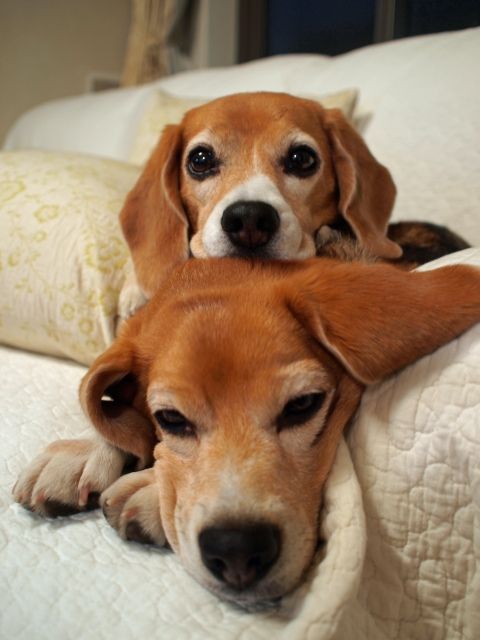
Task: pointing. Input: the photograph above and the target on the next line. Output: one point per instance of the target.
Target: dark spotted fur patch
(422, 241)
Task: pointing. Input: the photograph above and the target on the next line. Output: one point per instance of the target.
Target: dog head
(246, 374)
(254, 175)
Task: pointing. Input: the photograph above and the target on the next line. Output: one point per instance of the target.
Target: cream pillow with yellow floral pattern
(62, 255)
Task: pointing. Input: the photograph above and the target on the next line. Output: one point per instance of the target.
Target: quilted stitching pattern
(401, 565)
(74, 577)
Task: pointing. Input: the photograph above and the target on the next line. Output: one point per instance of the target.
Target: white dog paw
(131, 505)
(131, 299)
(68, 477)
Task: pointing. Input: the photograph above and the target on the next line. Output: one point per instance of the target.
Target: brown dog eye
(174, 423)
(300, 410)
(202, 163)
(301, 161)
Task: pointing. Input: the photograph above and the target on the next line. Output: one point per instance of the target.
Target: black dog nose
(250, 224)
(240, 556)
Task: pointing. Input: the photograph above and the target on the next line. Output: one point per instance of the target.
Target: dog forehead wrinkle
(258, 108)
(233, 385)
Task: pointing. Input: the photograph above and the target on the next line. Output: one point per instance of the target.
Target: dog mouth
(253, 599)
(254, 567)
(253, 552)
(257, 253)
(268, 593)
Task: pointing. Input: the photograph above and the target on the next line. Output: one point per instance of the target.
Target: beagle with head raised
(255, 175)
(265, 175)
(238, 379)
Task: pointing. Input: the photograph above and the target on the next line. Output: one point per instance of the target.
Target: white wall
(52, 48)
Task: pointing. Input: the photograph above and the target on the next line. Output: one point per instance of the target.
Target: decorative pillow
(63, 259)
(163, 108)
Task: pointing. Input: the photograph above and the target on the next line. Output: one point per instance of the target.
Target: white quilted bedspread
(401, 520)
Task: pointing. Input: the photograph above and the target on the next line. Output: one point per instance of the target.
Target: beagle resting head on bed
(238, 378)
(246, 374)
(254, 175)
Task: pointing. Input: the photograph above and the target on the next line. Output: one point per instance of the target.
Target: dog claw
(130, 514)
(83, 495)
(39, 498)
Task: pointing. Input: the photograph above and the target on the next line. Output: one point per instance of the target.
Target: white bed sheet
(401, 520)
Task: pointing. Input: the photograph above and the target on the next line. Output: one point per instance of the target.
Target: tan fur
(251, 133)
(67, 473)
(228, 343)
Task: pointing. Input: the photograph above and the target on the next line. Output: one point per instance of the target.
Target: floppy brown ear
(377, 319)
(153, 219)
(112, 398)
(366, 189)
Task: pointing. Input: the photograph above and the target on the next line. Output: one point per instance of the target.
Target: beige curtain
(158, 40)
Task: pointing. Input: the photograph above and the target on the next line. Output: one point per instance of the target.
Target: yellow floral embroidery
(39, 236)
(106, 255)
(9, 189)
(63, 260)
(86, 326)
(68, 311)
(14, 258)
(46, 213)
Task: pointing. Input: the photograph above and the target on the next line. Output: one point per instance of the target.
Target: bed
(401, 515)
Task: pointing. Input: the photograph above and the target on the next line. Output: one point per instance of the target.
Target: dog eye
(202, 163)
(301, 161)
(300, 410)
(174, 423)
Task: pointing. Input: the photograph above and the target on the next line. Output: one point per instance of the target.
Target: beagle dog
(236, 380)
(264, 175)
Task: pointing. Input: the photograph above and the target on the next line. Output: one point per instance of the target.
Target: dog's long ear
(377, 319)
(112, 398)
(153, 219)
(366, 189)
